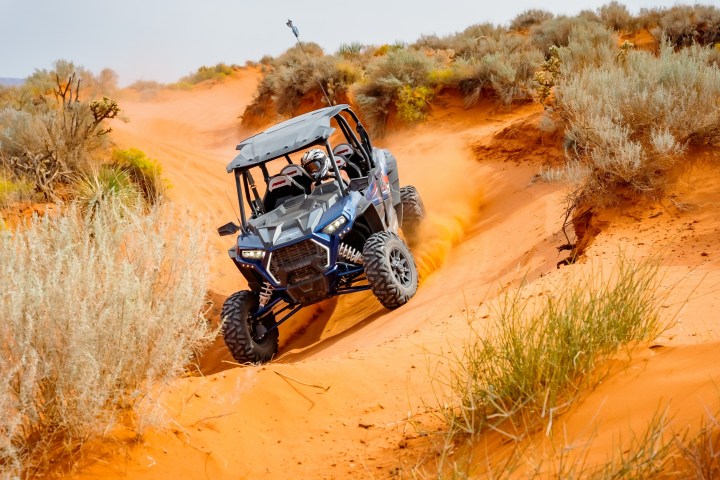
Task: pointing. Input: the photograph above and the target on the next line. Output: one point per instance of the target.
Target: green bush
(97, 311)
(144, 172)
(630, 121)
(215, 73)
(413, 102)
(13, 190)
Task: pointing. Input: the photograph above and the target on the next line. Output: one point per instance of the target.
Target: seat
(280, 188)
(299, 175)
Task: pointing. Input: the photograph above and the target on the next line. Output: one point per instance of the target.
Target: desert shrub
(631, 121)
(684, 25)
(144, 172)
(413, 102)
(615, 16)
(509, 76)
(473, 42)
(588, 45)
(535, 357)
(528, 18)
(291, 83)
(292, 76)
(351, 51)
(385, 78)
(96, 311)
(215, 73)
(13, 190)
(555, 31)
(107, 184)
(49, 135)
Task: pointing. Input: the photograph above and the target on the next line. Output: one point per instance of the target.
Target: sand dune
(344, 397)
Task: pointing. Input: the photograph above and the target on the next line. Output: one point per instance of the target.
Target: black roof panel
(286, 137)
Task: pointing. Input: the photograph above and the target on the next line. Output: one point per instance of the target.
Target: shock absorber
(350, 254)
(265, 294)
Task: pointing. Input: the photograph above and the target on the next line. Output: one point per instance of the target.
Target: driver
(317, 164)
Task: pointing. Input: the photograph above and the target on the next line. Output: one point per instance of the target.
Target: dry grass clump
(97, 310)
(528, 366)
(631, 120)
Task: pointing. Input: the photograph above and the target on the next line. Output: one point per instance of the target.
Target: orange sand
(344, 399)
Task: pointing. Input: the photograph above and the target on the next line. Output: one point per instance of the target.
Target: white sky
(166, 39)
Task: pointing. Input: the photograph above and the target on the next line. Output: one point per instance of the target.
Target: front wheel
(390, 269)
(249, 340)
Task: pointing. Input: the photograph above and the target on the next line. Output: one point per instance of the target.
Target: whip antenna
(296, 32)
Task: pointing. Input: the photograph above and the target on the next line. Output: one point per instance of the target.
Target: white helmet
(316, 163)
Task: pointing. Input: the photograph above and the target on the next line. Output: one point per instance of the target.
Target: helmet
(316, 163)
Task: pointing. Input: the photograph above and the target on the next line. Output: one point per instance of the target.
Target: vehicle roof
(286, 137)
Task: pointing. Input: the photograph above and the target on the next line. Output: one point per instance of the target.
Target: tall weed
(535, 356)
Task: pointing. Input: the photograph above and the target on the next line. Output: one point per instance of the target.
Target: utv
(308, 237)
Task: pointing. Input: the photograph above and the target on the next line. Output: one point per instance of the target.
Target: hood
(298, 217)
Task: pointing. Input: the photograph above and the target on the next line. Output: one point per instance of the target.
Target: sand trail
(342, 398)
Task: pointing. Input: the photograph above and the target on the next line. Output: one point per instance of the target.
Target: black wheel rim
(258, 329)
(400, 267)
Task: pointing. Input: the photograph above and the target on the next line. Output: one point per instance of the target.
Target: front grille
(298, 262)
(301, 274)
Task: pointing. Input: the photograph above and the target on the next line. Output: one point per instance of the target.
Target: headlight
(335, 225)
(253, 254)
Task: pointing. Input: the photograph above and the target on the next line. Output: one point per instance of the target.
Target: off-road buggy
(303, 241)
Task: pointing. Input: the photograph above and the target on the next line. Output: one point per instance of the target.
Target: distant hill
(11, 81)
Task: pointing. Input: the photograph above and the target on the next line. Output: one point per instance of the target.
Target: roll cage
(312, 129)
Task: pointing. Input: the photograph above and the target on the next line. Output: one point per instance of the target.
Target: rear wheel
(249, 340)
(390, 269)
(413, 212)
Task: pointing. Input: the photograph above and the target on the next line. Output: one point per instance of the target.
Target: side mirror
(228, 229)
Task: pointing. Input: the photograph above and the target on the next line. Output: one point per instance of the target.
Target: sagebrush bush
(616, 16)
(385, 79)
(96, 311)
(630, 121)
(685, 25)
(507, 76)
(555, 31)
(528, 18)
(535, 356)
